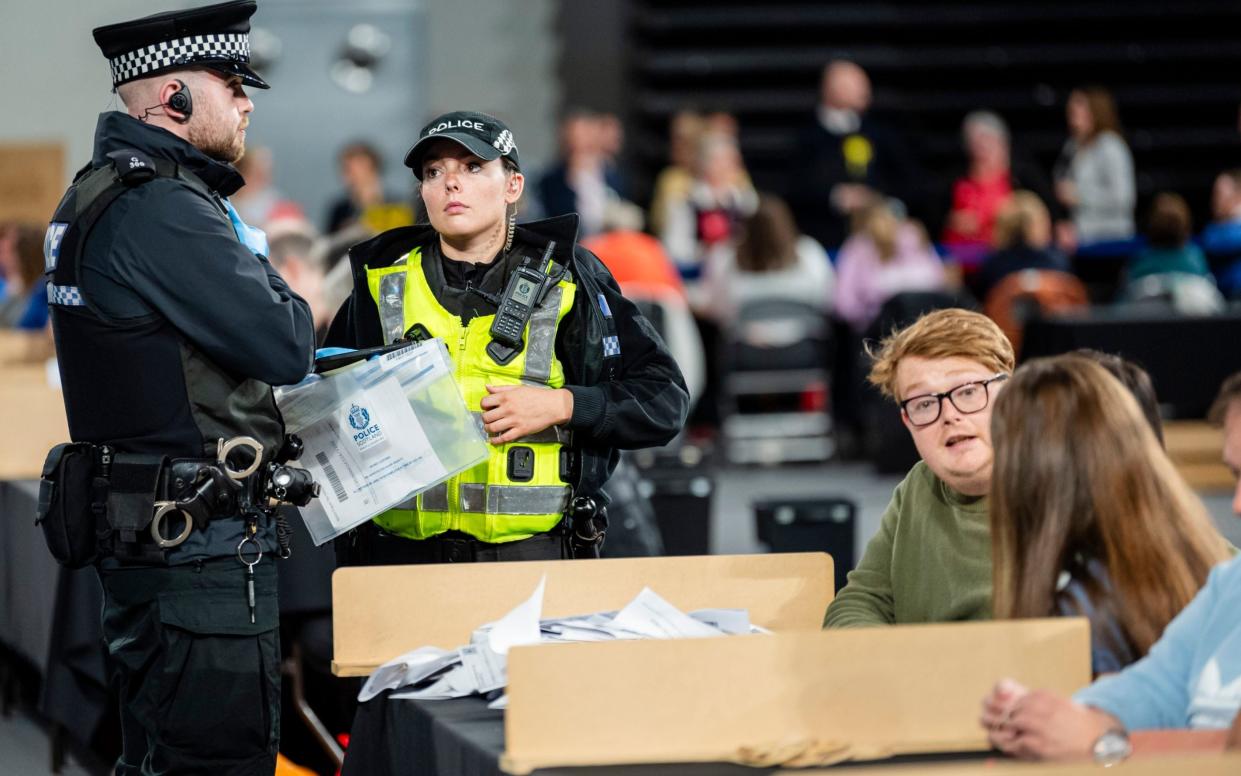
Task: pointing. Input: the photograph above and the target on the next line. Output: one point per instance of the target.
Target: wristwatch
(1111, 748)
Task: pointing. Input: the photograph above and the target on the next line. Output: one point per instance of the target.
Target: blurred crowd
(838, 236)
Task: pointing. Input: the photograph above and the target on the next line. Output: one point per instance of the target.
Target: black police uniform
(169, 341)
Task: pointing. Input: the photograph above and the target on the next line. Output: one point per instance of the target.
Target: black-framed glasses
(968, 398)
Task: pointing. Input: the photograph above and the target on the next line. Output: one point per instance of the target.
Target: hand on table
(1041, 725)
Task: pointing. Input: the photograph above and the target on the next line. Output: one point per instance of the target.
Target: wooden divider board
(883, 691)
(381, 612)
(1196, 764)
(32, 421)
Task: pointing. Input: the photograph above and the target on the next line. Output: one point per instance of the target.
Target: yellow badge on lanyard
(858, 152)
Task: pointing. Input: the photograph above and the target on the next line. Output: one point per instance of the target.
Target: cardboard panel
(383, 611)
(32, 420)
(32, 180)
(882, 691)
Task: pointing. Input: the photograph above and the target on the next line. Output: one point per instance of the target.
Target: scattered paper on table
(481, 667)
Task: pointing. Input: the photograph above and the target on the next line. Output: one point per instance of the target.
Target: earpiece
(181, 102)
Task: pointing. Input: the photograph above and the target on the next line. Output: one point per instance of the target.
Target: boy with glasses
(931, 559)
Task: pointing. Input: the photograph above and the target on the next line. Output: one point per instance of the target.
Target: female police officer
(562, 369)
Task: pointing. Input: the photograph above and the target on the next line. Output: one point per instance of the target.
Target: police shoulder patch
(132, 166)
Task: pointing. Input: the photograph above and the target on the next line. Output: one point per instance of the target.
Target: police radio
(524, 291)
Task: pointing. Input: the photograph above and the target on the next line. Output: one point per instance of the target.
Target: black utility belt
(96, 501)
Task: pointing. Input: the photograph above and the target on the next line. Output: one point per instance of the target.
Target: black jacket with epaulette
(169, 331)
(627, 395)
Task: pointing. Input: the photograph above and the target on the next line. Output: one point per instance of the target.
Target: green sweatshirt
(930, 561)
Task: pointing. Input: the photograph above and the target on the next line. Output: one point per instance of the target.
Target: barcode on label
(397, 354)
(333, 478)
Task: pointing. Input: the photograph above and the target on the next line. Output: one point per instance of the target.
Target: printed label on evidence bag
(370, 455)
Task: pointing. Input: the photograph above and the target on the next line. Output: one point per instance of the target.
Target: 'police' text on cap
(484, 136)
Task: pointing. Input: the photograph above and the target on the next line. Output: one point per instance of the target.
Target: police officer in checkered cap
(561, 369)
(171, 327)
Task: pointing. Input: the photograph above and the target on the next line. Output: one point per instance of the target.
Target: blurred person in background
(583, 181)
(1221, 240)
(1170, 269)
(1169, 228)
(10, 279)
(25, 303)
(646, 275)
(1084, 506)
(993, 175)
(706, 220)
(611, 144)
(772, 261)
(845, 160)
(1022, 239)
(259, 202)
(886, 255)
(1094, 174)
(674, 181)
(364, 200)
(294, 252)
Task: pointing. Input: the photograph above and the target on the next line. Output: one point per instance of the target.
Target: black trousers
(370, 545)
(199, 684)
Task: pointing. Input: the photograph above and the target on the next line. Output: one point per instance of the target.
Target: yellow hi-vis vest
(484, 502)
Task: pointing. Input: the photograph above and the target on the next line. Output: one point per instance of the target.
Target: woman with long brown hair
(1094, 174)
(1088, 515)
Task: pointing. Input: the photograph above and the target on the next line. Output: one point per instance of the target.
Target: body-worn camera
(290, 485)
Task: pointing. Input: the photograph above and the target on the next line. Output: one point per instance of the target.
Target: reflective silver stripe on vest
(547, 436)
(514, 499)
(435, 498)
(541, 344)
(392, 306)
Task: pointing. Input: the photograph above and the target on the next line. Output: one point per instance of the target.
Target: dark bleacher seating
(1172, 67)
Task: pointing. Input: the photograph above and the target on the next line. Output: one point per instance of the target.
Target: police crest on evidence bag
(379, 432)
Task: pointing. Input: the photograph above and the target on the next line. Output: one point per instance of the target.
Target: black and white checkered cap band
(181, 51)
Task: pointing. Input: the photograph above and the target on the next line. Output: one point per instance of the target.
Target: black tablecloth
(463, 737)
(1188, 358)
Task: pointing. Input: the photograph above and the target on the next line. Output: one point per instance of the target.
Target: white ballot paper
(655, 618)
(481, 667)
(410, 668)
(378, 434)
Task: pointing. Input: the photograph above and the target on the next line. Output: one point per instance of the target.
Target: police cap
(485, 136)
(213, 36)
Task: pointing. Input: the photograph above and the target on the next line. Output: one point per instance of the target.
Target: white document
(735, 622)
(410, 668)
(369, 455)
(499, 703)
(520, 626)
(489, 670)
(652, 616)
(439, 690)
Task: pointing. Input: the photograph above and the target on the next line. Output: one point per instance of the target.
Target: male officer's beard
(211, 134)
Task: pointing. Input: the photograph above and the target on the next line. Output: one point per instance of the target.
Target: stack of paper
(480, 667)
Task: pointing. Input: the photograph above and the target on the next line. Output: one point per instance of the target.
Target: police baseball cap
(213, 36)
(484, 136)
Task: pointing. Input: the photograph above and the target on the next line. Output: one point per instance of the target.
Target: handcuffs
(224, 448)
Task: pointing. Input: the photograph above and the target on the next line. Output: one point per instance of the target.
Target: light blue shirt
(1192, 676)
(250, 236)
